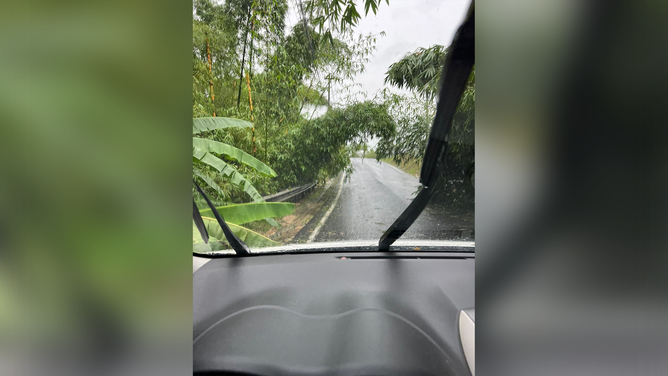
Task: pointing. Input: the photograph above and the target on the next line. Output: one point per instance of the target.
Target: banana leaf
(209, 182)
(201, 203)
(233, 153)
(235, 177)
(272, 222)
(198, 243)
(204, 124)
(197, 237)
(251, 238)
(245, 213)
(214, 244)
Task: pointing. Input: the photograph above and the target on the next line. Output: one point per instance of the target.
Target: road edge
(323, 220)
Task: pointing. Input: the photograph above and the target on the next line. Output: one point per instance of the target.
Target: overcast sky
(408, 24)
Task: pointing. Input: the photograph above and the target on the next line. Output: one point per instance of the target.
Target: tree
(283, 71)
(420, 73)
(206, 162)
(323, 147)
(338, 15)
(413, 117)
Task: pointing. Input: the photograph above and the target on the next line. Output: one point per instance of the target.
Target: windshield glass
(310, 122)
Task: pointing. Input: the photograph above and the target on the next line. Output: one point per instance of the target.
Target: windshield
(311, 124)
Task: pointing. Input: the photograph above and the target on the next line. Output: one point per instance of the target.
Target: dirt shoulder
(294, 228)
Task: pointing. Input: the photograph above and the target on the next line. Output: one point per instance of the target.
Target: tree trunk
(250, 52)
(250, 101)
(208, 54)
(243, 60)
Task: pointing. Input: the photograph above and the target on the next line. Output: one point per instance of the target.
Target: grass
(411, 167)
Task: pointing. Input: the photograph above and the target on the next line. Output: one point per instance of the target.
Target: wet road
(371, 200)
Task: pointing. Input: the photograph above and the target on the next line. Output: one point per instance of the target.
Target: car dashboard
(341, 312)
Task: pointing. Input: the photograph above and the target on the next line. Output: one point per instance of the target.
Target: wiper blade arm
(456, 70)
(199, 223)
(237, 244)
(406, 218)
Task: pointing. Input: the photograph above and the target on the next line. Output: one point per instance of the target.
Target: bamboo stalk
(243, 60)
(250, 101)
(208, 53)
(250, 52)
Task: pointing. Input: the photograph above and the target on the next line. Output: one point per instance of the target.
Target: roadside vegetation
(411, 167)
(419, 72)
(276, 107)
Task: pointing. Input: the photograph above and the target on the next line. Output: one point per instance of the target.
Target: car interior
(388, 307)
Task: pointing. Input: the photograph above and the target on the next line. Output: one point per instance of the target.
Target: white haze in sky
(408, 24)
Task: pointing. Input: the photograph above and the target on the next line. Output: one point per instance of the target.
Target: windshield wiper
(237, 244)
(456, 70)
(199, 223)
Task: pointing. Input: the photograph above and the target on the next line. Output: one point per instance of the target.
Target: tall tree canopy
(420, 73)
(247, 65)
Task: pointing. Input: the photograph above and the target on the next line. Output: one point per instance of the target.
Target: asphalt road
(374, 196)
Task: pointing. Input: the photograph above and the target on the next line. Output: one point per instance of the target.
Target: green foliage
(312, 96)
(209, 182)
(246, 213)
(324, 146)
(232, 153)
(289, 74)
(286, 70)
(204, 159)
(369, 153)
(419, 71)
(236, 215)
(251, 238)
(340, 15)
(210, 123)
(413, 116)
(203, 150)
